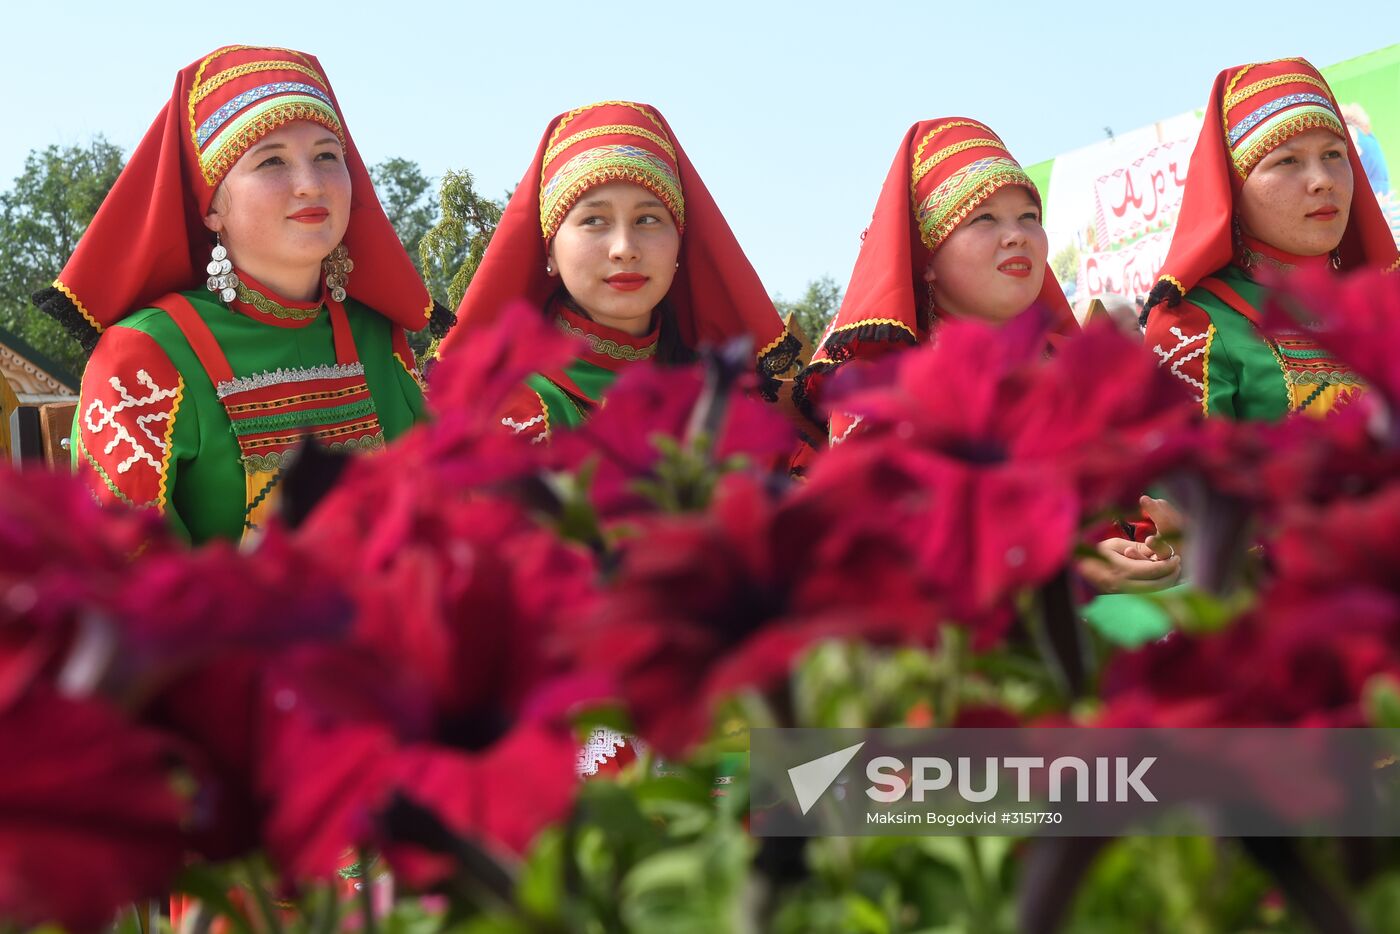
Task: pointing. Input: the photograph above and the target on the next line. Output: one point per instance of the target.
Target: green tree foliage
(1065, 263)
(41, 218)
(451, 251)
(814, 310)
(406, 194)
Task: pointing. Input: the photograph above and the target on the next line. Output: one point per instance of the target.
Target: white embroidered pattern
(108, 418)
(603, 744)
(526, 425)
(1184, 341)
(855, 420)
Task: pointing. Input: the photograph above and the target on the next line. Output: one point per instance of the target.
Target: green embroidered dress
(564, 398)
(1212, 341)
(158, 427)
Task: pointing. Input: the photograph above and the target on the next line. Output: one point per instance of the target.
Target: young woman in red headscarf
(957, 233)
(612, 234)
(243, 290)
(1273, 184)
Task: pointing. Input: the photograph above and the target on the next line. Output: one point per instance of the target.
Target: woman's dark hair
(670, 346)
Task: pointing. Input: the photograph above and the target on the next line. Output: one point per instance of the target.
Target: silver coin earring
(222, 281)
(337, 267)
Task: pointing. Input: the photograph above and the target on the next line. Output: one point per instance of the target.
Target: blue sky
(790, 112)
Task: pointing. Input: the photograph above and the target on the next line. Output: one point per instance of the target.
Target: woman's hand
(1124, 566)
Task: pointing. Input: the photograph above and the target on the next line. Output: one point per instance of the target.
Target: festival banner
(1110, 208)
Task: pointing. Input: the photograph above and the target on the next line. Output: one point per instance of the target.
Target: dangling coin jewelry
(337, 267)
(222, 280)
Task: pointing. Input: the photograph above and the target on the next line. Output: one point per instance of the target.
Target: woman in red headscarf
(243, 290)
(1272, 186)
(614, 236)
(957, 233)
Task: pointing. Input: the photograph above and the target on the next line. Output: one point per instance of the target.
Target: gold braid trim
(1230, 88)
(617, 129)
(923, 168)
(224, 77)
(1274, 82)
(163, 493)
(1176, 283)
(564, 120)
(1270, 141)
(77, 303)
(606, 347)
(1205, 372)
(412, 374)
(773, 345)
(865, 321)
(268, 307)
(1394, 266)
(199, 77)
(919, 150)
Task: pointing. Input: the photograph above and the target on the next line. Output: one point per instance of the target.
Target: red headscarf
(943, 170)
(716, 294)
(1252, 110)
(149, 239)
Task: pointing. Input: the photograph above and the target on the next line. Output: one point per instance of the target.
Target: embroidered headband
(966, 163)
(629, 144)
(1277, 101)
(232, 107)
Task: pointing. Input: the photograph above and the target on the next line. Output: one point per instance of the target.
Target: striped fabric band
(606, 164)
(957, 196)
(1273, 107)
(221, 116)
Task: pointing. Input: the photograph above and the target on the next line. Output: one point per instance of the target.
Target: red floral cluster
(401, 670)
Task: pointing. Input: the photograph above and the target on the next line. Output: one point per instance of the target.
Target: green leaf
(1128, 620)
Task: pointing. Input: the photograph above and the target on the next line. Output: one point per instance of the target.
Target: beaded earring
(222, 281)
(337, 267)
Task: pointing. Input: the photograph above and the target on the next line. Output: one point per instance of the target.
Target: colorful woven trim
(568, 118)
(272, 412)
(616, 129)
(1271, 124)
(956, 196)
(603, 164)
(222, 137)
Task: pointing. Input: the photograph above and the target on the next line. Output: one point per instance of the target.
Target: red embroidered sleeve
(1179, 338)
(525, 414)
(126, 417)
(841, 425)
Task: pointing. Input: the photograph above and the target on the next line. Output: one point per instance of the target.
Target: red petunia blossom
(64, 557)
(459, 598)
(704, 605)
(1295, 660)
(650, 401)
(1350, 543)
(90, 819)
(992, 456)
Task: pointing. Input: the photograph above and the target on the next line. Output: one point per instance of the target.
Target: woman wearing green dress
(244, 291)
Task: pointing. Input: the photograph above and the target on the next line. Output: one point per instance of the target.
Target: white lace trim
(603, 744)
(294, 375)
